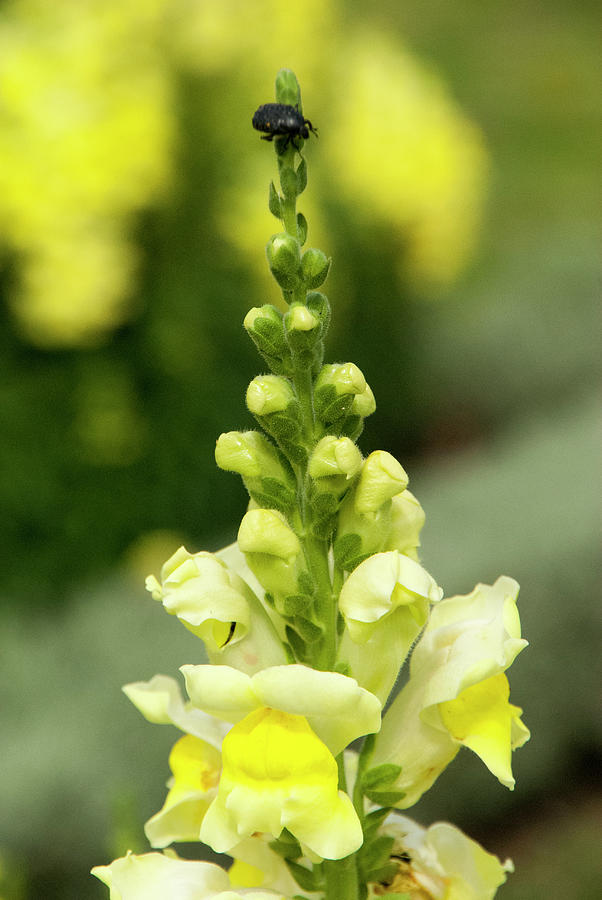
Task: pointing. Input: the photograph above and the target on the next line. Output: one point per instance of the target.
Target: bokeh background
(454, 183)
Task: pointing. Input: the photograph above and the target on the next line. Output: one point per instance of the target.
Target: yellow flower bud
(381, 478)
(334, 456)
(268, 394)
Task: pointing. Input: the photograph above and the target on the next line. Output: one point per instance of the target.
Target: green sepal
(351, 427)
(324, 508)
(340, 624)
(380, 776)
(373, 821)
(318, 304)
(385, 798)
(306, 585)
(310, 631)
(294, 605)
(308, 879)
(283, 426)
(298, 645)
(375, 856)
(288, 182)
(287, 88)
(270, 493)
(286, 845)
(274, 202)
(301, 176)
(295, 452)
(329, 405)
(290, 656)
(343, 668)
(348, 552)
(315, 266)
(301, 228)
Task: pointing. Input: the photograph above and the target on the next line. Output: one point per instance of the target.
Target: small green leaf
(298, 645)
(301, 176)
(295, 604)
(302, 228)
(274, 202)
(377, 853)
(308, 879)
(309, 631)
(380, 776)
(385, 798)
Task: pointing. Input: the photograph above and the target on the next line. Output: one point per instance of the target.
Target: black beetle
(277, 119)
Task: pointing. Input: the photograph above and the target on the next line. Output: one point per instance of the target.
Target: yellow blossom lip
(278, 774)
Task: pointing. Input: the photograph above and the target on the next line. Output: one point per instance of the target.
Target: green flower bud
(250, 454)
(267, 531)
(363, 404)
(269, 394)
(381, 478)
(269, 482)
(314, 266)
(287, 88)
(303, 331)
(334, 457)
(358, 536)
(336, 386)
(346, 378)
(273, 552)
(284, 260)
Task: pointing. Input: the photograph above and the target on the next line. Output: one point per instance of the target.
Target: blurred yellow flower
(406, 155)
(84, 144)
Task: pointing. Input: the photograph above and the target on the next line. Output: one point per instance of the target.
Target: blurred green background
(454, 183)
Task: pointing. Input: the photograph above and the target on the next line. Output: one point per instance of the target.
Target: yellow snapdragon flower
(457, 693)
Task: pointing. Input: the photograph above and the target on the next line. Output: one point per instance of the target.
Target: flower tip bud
(287, 88)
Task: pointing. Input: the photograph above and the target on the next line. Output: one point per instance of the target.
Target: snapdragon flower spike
(279, 769)
(441, 861)
(457, 692)
(217, 605)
